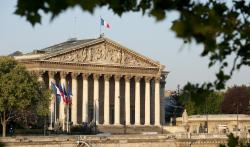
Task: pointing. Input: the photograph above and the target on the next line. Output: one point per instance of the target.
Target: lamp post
(206, 122)
(237, 107)
(67, 128)
(237, 116)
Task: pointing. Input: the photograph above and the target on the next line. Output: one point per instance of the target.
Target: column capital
(85, 75)
(51, 73)
(96, 76)
(74, 74)
(137, 78)
(64, 73)
(147, 79)
(157, 79)
(117, 77)
(127, 77)
(106, 77)
(37, 72)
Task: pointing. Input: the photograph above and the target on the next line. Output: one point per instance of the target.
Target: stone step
(113, 129)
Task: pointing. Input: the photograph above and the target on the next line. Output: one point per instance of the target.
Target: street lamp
(237, 115)
(206, 122)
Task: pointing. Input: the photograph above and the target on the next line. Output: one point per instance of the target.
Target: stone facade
(109, 82)
(217, 124)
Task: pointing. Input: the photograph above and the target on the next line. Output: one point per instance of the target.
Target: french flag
(61, 93)
(105, 24)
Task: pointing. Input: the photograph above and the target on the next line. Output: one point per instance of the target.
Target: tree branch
(234, 63)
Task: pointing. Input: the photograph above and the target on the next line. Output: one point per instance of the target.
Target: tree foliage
(234, 141)
(201, 99)
(173, 107)
(20, 92)
(237, 96)
(222, 27)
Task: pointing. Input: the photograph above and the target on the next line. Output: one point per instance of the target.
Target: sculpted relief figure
(82, 55)
(98, 54)
(102, 55)
(89, 55)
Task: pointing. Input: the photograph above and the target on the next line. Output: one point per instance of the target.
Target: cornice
(88, 64)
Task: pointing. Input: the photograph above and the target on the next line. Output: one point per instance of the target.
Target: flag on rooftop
(105, 24)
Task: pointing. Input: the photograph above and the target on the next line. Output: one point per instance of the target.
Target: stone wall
(138, 140)
(229, 121)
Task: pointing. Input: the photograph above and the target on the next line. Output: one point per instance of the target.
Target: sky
(133, 30)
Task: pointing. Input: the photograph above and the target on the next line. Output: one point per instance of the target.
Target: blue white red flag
(67, 96)
(105, 24)
(56, 91)
(61, 93)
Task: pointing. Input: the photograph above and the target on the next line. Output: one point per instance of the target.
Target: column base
(147, 125)
(116, 124)
(50, 127)
(137, 124)
(129, 124)
(106, 124)
(157, 124)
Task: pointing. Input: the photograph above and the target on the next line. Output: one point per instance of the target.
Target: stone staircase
(131, 129)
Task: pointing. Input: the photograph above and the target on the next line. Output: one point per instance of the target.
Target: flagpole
(67, 102)
(67, 117)
(100, 25)
(51, 115)
(55, 110)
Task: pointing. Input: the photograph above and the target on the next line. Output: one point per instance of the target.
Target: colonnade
(106, 98)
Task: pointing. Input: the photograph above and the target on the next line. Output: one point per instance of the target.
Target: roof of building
(72, 42)
(76, 52)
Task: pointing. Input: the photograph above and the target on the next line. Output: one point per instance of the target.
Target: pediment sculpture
(101, 55)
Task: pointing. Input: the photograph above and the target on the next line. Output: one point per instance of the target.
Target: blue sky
(139, 33)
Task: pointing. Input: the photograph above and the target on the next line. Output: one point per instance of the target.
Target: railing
(199, 136)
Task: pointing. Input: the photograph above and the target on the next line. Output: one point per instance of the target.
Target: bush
(233, 141)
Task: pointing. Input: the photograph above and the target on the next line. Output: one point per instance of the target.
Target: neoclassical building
(108, 81)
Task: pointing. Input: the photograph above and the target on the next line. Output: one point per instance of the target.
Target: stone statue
(184, 117)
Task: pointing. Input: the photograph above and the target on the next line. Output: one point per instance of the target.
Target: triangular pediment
(101, 51)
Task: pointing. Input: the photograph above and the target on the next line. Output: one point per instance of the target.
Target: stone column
(137, 101)
(96, 97)
(74, 98)
(106, 100)
(62, 103)
(147, 100)
(85, 97)
(40, 76)
(157, 101)
(117, 100)
(52, 102)
(127, 100)
(162, 100)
